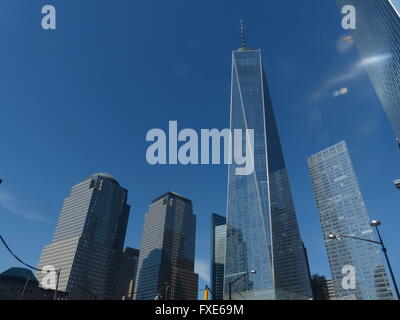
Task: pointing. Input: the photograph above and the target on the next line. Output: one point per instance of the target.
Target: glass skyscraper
(166, 260)
(377, 37)
(342, 211)
(218, 238)
(262, 230)
(127, 273)
(89, 235)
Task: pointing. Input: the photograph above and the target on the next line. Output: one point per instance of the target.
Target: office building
(122, 274)
(90, 232)
(331, 289)
(127, 278)
(320, 287)
(166, 260)
(342, 211)
(377, 39)
(262, 230)
(218, 238)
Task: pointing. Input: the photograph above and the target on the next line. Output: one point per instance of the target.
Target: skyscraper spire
(242, 35)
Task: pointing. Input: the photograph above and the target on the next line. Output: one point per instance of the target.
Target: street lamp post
(231, 283)
(58, 272)
(376, 224)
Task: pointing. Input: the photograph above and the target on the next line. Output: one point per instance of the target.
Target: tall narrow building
(89, 234)
(218, 238)
(262, 229)
(342, 211)
(377, 39)
(127, 275)
(122, 274)
(166, 260)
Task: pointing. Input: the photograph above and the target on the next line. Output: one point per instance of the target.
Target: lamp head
(253, 272)
(332, 236)
(375, 223)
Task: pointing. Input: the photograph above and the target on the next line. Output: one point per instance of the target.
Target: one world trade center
(265, 256)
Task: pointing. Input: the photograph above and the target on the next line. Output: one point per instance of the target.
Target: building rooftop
(173, 194)
(19, 273)
(104, 175)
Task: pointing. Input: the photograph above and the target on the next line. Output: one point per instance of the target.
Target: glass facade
(377, 37)
(89, 234)
(342, 211)
(166, 260)
(218, 238)
(320, 287)
(262, 229)
(123, 276)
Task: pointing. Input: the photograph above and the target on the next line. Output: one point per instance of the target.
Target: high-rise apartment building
(342, 211)
(262, 229)
(377, 39)
(89, 234)
(166, 260)
(218, 239)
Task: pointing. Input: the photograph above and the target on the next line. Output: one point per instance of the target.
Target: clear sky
(80, 100)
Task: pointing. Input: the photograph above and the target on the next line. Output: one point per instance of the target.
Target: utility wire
(15, 256)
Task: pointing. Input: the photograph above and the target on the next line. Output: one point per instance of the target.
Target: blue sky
(81, 99)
